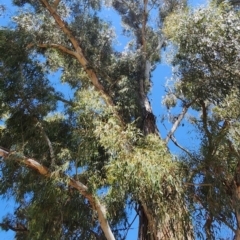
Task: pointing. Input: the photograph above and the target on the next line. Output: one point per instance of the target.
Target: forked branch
(178, 121)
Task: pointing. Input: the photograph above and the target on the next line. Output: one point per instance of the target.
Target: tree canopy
(77, 166)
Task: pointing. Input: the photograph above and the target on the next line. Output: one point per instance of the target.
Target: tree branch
(57, 46)
(17, 228)
(129, 226)
(205, 126)
(177, 122)
(69, 102)
(79, 54)
(222, 218)
(82, 189)
(182, 148)
(49, 143)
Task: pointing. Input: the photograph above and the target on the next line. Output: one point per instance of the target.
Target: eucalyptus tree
(76, 174)
(207, 64)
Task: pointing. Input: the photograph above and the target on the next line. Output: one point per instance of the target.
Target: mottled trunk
(146, 230)
(150, 228)
(143, 232)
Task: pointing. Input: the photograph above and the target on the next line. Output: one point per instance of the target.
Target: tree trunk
(236, 200)
(237, 210)
(149, 228)
(143, 233)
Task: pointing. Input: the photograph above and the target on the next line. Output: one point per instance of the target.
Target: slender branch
(56, 46)
(3, 152)
(208, 225)
(17, 228)
(222, 218)
(82, 189)
(205, 126)
(79, 53)
(49, 143)
(182, 148)
(198, 184)
(129, 226)
(219, 217)
(178, 121)
(65, 101)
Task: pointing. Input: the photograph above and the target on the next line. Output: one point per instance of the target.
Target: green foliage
(24, 86)
(206, 64)
(208, 60)
(145, 173)
(103, 143)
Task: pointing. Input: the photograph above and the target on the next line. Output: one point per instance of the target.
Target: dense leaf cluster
(208, 61)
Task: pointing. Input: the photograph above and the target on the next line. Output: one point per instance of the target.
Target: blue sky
(162, 72)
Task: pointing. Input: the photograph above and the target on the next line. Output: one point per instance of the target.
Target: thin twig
(198, 184)
(129, 227)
